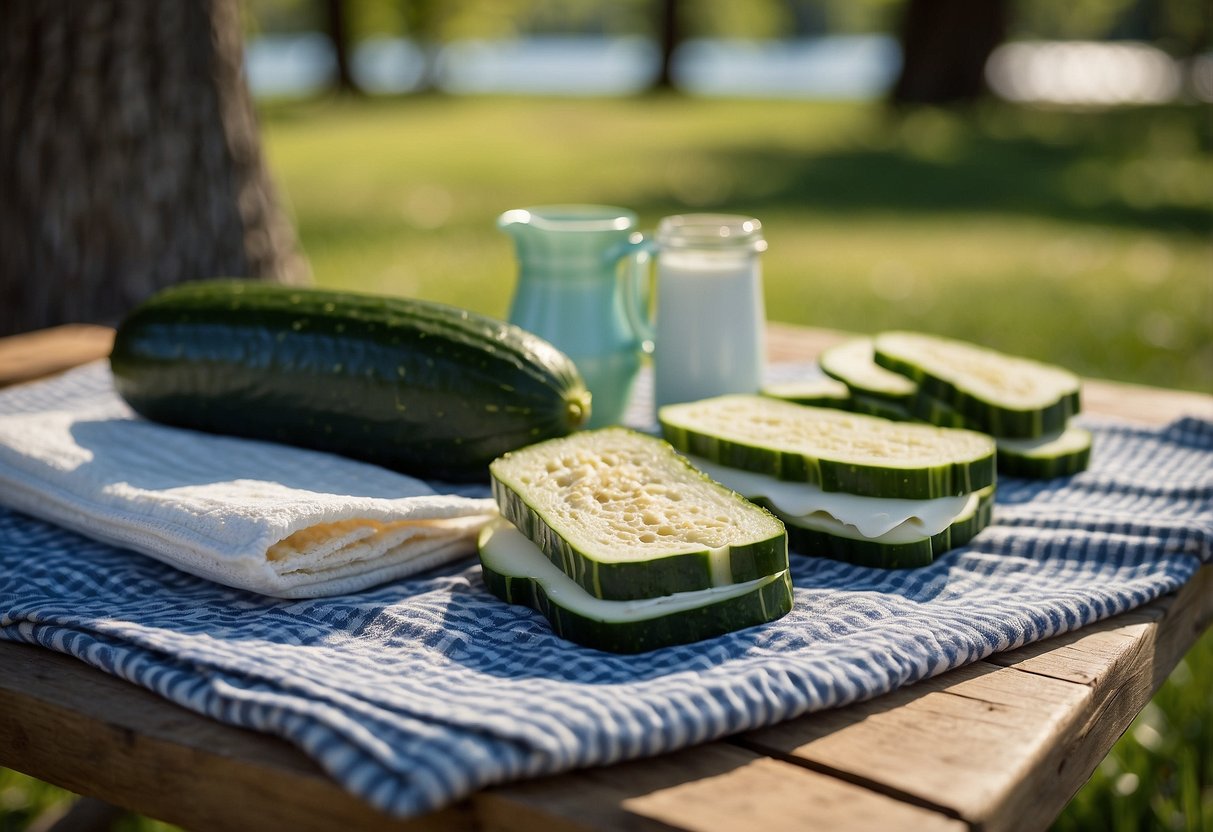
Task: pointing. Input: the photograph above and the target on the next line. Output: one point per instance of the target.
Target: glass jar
(709, 335)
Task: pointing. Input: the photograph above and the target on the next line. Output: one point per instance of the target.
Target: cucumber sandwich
(847, 486)
(1025, 405)
(625, 547)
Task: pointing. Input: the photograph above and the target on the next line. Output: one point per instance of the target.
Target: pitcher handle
(637, 286)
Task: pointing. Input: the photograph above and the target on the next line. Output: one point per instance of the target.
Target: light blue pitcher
(570, 292)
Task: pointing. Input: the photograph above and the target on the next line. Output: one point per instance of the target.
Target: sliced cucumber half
(625, 517)
(853, 363)
(817, 392)
(517, 572)
(930, 409)
(1057, 455)
(838, 451)
(874, 406)
(1007, 396)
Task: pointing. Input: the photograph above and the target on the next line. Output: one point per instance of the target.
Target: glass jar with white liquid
(710, 319)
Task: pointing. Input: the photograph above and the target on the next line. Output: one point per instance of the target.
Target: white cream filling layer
(871, 517)
(905, 533)
(509, 552)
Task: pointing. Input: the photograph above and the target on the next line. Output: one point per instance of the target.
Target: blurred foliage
(1180, 25)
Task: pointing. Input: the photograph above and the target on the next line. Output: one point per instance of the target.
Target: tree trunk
(945, 45)
(338, 29)
(669, 36)
(129, 159)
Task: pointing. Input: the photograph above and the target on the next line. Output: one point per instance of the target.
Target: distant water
(841, 67)
(832, 67)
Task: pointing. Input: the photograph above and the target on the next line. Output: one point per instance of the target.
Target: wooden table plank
(1031, 722)
(1005, 742)
(79, 728)
(716, 787)
(97, 735)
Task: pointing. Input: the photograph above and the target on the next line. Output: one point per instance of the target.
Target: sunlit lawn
(1081, 238)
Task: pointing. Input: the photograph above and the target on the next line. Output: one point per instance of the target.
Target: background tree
(945, 45)
(129, 159)
(423, 19)
(669, 36)
(337, 26)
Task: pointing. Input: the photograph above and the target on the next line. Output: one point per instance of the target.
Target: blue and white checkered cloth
(421, 691)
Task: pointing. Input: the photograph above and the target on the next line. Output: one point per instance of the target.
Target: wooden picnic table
(999, 744)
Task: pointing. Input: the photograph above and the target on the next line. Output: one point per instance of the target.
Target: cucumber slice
(838, 451)
(931, 410)
(873, 406)
(921, 408)
(625, 517)
(824, 536)
(1056, 455)
(818, 392)
(853, 364)
(1053, 455)
(1006, 396)
(517, 572)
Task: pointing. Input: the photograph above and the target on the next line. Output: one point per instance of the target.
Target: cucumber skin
(643, 579)
(947, 480)
(884, 408)
(814, 542)
(422, 388)
(859, 390)
(1043, 468)
(925, 408)
(765, 604)
(816, 401)
(928, 409)
(994, 419)
(832, 402)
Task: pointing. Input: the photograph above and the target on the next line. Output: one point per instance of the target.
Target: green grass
(1076, 237)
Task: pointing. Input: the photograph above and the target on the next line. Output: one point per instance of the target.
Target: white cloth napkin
(269, 518)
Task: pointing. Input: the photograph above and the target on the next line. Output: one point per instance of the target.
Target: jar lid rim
(711, 231)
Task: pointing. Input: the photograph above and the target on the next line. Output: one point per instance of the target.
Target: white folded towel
(269, 518)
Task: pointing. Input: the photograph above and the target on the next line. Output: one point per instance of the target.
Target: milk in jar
(710, 317)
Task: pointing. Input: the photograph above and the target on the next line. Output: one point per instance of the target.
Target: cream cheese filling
(871, 517)
(509, 552)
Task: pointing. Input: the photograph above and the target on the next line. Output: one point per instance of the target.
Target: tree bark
(945, 45)
(337, 25)
(129, 159)
(669, 36)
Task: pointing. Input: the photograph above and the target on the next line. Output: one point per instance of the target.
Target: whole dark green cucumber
(426, 389)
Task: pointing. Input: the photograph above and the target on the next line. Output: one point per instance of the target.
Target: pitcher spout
(511, 221)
